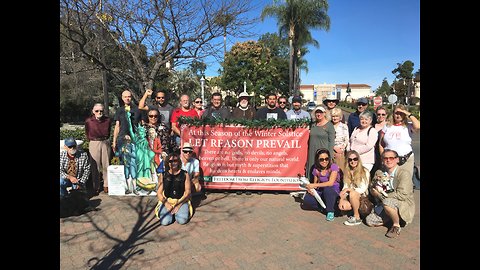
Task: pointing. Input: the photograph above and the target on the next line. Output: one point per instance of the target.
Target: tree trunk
(291, 62)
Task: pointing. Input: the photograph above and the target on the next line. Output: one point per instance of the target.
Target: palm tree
(295, 18)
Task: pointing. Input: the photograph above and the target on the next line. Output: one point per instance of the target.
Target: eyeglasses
(153, 115)
(399, 113)
(187, 151)
(159, 97)
(389, 158)
(381, 114)
(173, 160)
(99, 111)
(323, 159)
(352, 159)
(198, 101)
(71, 147)
(361, 104)
(282, 102)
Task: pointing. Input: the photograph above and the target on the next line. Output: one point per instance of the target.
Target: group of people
(341, 156)
(346, 162)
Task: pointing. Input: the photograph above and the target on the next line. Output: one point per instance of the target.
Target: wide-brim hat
(187, 147)
(331, 97)
(243, 94)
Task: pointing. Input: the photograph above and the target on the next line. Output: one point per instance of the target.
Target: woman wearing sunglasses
(326, 181)
(355, 185)
(198, 106)
(397, 135)
(162, 133)
(174, 189)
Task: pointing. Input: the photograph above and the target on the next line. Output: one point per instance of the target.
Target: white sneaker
(352, 221)
(297, 194)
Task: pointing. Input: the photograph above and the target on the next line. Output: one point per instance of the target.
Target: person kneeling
(395, 194)
(174, 190)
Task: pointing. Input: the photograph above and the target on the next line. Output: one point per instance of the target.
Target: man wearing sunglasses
(354, 118)
(97, 131)
(397, 204)
(191, 165)
(160, 103)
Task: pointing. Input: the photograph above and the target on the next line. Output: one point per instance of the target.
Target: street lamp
(202, 83)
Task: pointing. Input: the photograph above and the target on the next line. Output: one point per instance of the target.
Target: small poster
(119, 186)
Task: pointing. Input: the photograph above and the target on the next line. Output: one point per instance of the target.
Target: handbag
(366, 206)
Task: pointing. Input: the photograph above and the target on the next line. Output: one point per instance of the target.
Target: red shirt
(179, 112)
(95, 129)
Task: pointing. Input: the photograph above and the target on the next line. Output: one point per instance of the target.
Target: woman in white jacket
(356, 179)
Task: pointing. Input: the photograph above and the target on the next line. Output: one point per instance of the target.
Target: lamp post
(202, 83)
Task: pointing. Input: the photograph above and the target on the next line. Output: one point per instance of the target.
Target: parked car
(311, 105)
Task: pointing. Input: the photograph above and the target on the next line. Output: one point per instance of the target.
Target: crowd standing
(345, 161)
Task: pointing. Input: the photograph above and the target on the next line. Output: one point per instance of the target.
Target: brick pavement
(230, 231)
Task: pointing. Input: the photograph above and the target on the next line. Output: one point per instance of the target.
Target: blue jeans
(328, 195)
(64, 183)
(182, 215)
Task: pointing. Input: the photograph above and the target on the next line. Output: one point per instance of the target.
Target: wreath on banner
(261, 124)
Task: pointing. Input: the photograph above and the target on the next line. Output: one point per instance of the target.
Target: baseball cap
(321, 108)
(296, 99)
(362, 100)
(69, 142)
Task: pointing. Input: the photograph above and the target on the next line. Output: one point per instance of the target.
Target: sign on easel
(119, 186)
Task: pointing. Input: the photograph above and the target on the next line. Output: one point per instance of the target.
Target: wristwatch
(409, 115)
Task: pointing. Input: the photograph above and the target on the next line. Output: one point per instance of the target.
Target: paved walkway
(230, 231)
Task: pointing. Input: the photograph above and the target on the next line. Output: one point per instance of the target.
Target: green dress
(320, 137)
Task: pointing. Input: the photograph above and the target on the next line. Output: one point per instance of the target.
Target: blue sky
(365, 42)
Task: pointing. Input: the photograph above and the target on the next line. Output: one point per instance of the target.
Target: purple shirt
(323, 179)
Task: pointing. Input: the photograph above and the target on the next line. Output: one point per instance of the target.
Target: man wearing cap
(296, 112)
(191, 165)
(216, 110)
(243, 110)
(271, 110)
(74, 167)
(331, 102)
(354, 118)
